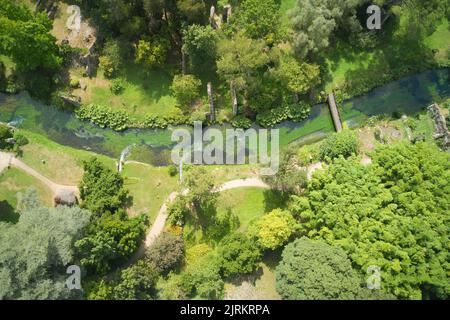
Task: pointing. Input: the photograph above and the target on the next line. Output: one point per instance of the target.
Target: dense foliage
(35, 251)
(238, 254)
(101, 189)
(393, 214)
(312, 270)
(166, 252)
(344, 144)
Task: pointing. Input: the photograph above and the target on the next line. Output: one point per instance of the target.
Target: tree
(111, 59)
(200, 44)
(241, 61)
(137, 282)
(290, 178)
(299, 78)
(273, 229)
(259, 18)
(26, 38)
(192, 10)
(166, 252)
(5, 134)
(344, 144)
(312, 270)
(390, 214)
(201, 186)
(186, 89)
(35, 251)
(101, 189)
(314, 21)
(202, 277)
(109, 240)
(238, 255)
(151, 53)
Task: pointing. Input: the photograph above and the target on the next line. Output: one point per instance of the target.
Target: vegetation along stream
(405, 96)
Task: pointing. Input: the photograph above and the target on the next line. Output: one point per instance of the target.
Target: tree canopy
(312, 270)
(35, 251)
(393, 214)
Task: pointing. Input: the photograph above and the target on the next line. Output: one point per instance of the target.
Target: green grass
(247, 204)
(342, 59)
(439, 41)
(59, 163)
(144, 93)
(149, 186)
(13, 181)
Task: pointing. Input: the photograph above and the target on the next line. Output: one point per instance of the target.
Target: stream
(405, 96)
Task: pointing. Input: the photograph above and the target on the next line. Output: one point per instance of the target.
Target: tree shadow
(7, 212)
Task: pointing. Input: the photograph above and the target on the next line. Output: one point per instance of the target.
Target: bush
(294, 112)
(155, 122)
(117, 86)
(238, 255)
(166, 252)
(104, 117)
(111, 59)
(186, 88)
(74, 83)
(344, 144)
(172, 170)
(5, 134)
(241, 122)
(20, 139)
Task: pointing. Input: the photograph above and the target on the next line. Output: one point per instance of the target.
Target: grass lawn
(144, 93)
(13, 181)
(439, 41)
(150, 187)
(59, 163)
(247, 204)
(342, 58)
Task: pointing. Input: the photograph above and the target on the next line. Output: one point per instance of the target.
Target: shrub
(155, 122)
(241, 122)
(186, 88)
(74, 83)
(294, 112)
(5, 134)
(117, 86)
(344, 144)
(104, 117)
(173, 170)
(166, 252)
(20, 139)
(238, 255)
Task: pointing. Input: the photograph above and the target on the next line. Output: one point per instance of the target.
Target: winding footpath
(7, 160)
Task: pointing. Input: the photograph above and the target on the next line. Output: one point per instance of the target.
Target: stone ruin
(441, 130)
(216, 19)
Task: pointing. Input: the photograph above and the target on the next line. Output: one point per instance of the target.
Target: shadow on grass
(7, 212)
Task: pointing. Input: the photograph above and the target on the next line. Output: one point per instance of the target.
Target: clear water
(406, 96)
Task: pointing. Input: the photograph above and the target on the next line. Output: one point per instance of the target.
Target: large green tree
(238, 254)
(101, 189)
(312, 270)
(26, 38)
(35, 252)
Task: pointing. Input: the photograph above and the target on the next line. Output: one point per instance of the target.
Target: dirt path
(160, 221)
(7, 159)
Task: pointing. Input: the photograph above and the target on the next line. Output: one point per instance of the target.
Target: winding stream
(405, 96)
